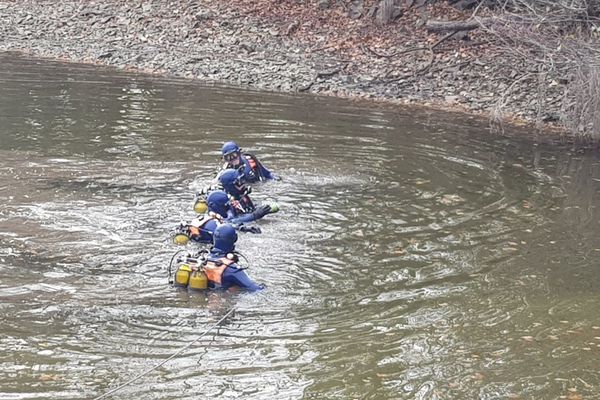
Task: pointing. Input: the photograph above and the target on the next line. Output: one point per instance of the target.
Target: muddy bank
(314, 47)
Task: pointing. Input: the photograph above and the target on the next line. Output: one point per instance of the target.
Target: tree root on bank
(421, 70)
(366, 48)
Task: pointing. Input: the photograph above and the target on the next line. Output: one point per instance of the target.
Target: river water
(416, 255)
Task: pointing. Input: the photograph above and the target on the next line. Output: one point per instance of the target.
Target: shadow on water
(415, 256)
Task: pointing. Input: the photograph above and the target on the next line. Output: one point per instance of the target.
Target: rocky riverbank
(321, 47)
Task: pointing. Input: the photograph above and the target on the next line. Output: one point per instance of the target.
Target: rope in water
(187, 346)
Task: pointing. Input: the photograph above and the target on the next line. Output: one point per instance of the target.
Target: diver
(247, 163)
(201, 230)
(220, 203)
(250, 167)
(233, 203)
(221, 268)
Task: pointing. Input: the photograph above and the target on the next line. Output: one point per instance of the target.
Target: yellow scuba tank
(181, 238)
(198, 280)
(200, 206)
(182, 276)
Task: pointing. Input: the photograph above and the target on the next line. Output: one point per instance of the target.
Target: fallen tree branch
(457, 26)
(417, 72)
(291, 27)
(431, 48)
(326, 47)
(410, 78)
(327, 74)
(448, 36)
(307, 86)
(319, 75)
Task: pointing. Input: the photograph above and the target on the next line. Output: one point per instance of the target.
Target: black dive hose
(195, 257)
(238, 254)
(170, 269)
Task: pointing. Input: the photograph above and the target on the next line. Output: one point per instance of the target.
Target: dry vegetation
(558, 40)
(518, 60)
(561, 39)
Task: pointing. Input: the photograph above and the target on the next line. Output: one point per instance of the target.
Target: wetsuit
(227, 274)
(235, 206)
(221, 268)
(252, 169)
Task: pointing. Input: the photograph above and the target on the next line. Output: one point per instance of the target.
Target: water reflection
(411, 259)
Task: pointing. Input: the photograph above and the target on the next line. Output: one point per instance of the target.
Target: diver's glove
(249, 229)
(264, 210)
(261, 211)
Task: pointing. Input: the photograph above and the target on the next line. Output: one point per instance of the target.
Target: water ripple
(410, 259)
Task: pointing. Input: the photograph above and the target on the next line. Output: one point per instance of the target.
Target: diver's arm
(246, 228)
(232, 276)
(241, 218)
(230, 214)
(253, 216)
(261, 173)
(265, 174)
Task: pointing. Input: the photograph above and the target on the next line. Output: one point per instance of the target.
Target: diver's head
(231, 153)
(217, 202)
(224, 238)
(233, 182)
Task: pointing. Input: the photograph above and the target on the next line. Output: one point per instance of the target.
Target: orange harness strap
(251, 161)
(214, 270)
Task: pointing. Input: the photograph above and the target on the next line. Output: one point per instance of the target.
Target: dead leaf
(49, 377)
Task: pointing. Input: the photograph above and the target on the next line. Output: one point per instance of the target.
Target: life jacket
(214, 270)
(254, 165)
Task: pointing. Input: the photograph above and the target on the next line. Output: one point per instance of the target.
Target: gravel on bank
(282, 46)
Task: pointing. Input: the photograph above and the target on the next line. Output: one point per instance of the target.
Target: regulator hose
(170, 268)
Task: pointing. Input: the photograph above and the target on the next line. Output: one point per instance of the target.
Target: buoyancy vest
(252, 162)
(214, 270)
(194, 230)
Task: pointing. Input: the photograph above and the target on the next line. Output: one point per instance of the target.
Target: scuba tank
(200, 206)
(200, 199)
(181, 239)
(180, 234)
(189, 272)
(198, 280)
(182, 276)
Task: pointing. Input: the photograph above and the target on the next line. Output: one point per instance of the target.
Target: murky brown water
(416, 255)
